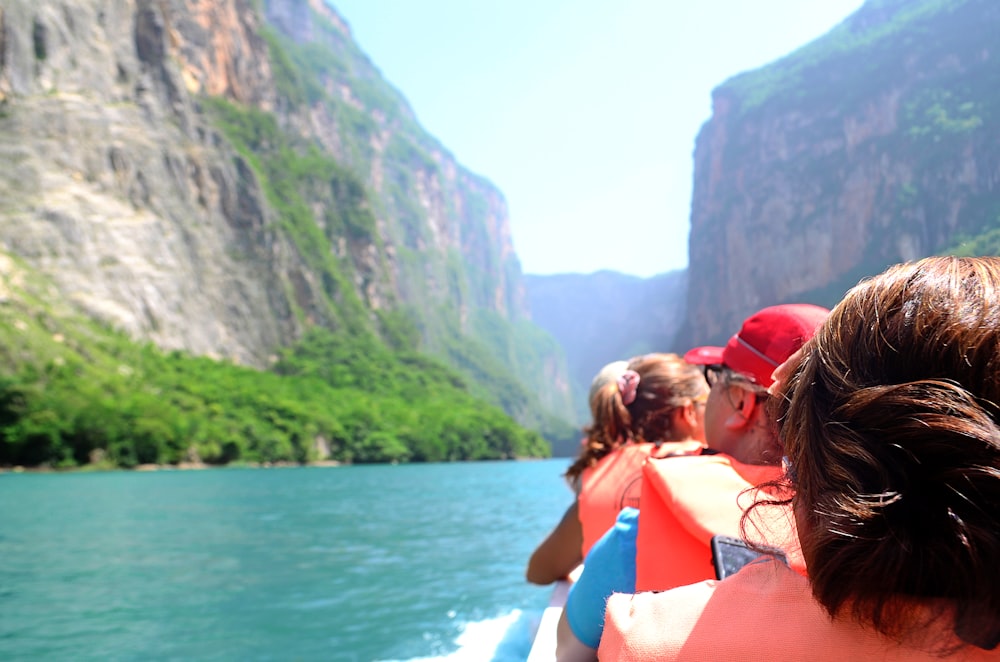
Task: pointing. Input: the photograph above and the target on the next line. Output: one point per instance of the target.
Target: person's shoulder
(650, 604)
(704, 455)
(689, 463)
(639, 621)
(717, 465)
(762, 576)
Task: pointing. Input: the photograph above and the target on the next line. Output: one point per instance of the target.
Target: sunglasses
(716, 373)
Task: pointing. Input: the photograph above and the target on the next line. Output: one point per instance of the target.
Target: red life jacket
(615, 482)
(686, 500)
(763, 613)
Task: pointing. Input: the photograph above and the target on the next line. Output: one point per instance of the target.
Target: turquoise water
(355, 564)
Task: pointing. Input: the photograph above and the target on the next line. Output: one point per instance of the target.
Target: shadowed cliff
(877, 143)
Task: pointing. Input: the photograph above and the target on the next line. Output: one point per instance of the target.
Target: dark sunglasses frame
(717, 372)
(714, 373)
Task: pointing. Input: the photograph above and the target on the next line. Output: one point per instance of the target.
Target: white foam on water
(505, 638)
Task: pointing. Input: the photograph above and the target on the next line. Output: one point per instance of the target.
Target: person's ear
(690, 415)
(743, 413)
(683, 419)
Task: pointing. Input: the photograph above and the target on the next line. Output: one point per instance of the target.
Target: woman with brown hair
(650, 404)
(891, 427)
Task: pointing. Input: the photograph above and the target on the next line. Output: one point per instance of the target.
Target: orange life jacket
(688, 499)
(765, 612)
(615, 482)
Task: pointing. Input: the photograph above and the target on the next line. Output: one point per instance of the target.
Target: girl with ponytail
(650, 404)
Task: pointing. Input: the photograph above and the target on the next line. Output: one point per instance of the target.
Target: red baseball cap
(765, 340)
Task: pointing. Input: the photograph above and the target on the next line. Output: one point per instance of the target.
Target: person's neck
(760, 448)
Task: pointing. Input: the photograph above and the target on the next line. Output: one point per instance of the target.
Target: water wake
(502, 639)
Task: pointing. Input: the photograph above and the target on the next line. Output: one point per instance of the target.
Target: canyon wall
(877, 143)
(217, 176)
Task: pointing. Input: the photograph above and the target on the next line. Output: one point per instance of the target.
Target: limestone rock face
(431, 206)
(118, 190)
(116, 185)
(876, 144)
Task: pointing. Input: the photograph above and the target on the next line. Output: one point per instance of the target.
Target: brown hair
(890, 425)
(666, 382)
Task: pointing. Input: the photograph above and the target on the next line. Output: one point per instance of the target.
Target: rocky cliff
(115, 189)
(879, 142)
(218, 176)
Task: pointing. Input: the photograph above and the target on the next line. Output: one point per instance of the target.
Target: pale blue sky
(583, 112)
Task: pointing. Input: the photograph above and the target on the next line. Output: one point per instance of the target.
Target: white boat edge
(543, 649)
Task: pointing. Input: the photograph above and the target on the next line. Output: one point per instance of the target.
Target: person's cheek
(781, 373)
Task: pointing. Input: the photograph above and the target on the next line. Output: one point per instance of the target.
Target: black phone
(730, 554)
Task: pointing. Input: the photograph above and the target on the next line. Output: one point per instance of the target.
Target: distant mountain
(606, 316)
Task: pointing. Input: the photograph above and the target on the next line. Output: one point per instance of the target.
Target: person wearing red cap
(740, 374)
(688, 499)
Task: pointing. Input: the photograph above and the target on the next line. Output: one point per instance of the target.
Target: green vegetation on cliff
(293, 173)
(296, 178)
(378, 269)
(455, 282)
(353, 390)
(864, 49)
(73, 393)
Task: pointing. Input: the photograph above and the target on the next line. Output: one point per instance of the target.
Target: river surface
(363, 563)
